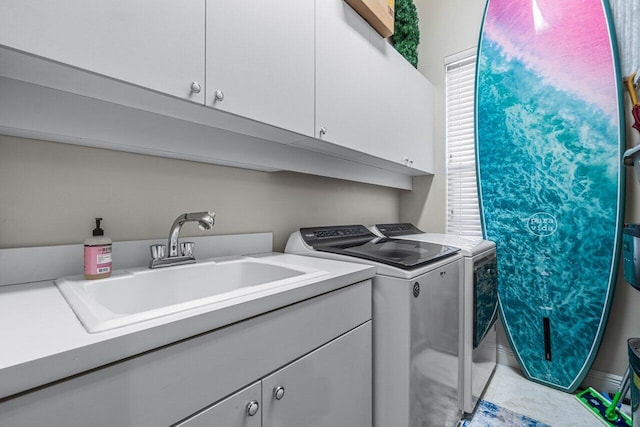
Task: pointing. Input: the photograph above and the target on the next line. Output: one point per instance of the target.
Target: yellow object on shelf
(380, 14)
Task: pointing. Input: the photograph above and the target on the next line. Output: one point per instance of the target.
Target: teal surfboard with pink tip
(549, 141)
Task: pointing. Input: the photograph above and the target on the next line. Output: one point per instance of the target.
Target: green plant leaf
(406, 35)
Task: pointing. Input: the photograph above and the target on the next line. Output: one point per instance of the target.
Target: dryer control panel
(400, 229)
(336, 235)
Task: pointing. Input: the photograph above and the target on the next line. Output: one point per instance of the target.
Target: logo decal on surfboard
(542, 224)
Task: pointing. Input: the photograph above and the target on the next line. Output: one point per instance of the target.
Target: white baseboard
(505, 356)
(601, 381)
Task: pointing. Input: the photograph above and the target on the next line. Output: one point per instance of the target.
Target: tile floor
(511, 391)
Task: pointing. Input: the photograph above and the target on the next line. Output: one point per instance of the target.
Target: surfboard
(549, 141)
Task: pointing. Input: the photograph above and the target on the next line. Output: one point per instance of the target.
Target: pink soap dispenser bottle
(97, 254)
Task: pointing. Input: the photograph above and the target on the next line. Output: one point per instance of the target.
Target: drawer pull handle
(278, 392)
(195, 87)
(252, 408)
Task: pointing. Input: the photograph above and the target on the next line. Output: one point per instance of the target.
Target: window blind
(625, 15)
(463, 213)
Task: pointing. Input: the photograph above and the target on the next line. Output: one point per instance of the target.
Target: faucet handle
(158, 251)
(186, 248)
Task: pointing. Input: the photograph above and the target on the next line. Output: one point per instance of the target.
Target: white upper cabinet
(299, 85)
(368, 97)
(155, 44)
(260, 61)
(417, 114)
(404, 129)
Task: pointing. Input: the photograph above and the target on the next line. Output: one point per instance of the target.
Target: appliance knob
(252, 408)
(278, 392)
(195, 87)
(218, 95)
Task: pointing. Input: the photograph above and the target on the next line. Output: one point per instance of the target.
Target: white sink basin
(136, 295)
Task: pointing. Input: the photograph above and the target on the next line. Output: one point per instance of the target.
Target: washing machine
(415, 320)
(478, 305)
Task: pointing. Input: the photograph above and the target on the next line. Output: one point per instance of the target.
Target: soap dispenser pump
(97, 254)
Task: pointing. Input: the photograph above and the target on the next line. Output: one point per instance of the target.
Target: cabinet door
(389, 72)
(157, 44)
(347, 99)
(260, 59)
(404, 131)
(241, 409)
(417, 110)
(330, 387)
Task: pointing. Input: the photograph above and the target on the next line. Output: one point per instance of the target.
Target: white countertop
(43, 341)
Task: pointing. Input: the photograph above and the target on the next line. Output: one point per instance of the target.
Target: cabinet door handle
(323, 131)
(218, 95)
(278, 392)
(195, 87)
(252, 408)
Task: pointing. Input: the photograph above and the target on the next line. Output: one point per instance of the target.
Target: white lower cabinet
(241, 409)
(318, 350)
(330, 387)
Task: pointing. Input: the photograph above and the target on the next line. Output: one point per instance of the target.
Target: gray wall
(50, 193)
(450, 27)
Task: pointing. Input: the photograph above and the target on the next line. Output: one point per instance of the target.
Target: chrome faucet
(180, 253)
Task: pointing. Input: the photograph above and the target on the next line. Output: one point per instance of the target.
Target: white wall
(50, 193)
(446, 28)
(449, 27)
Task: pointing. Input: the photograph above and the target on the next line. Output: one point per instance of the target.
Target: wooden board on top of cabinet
(260, 61)
(155, 44)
